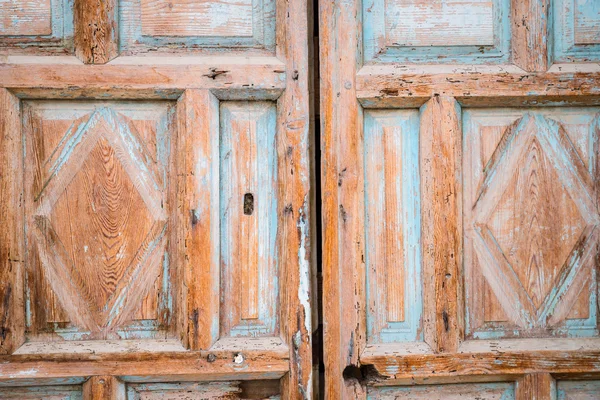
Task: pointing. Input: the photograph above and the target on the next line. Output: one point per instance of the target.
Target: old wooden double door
(157, 199)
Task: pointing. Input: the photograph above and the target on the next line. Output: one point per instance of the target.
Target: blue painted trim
(62, 28)
(266, 209)
(408, 121)
(438, 391)
(563, 28)
(130, 31)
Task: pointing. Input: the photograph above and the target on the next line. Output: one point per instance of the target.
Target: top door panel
(576, 30)
(418, 31)
(144, 26)
(45, 25)
(187, 25)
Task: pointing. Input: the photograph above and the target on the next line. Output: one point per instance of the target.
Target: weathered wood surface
(103, 388)
(191, 18)
(539, 386)
(248, 217)
(391, 367)
(480, 391)
(577, 390)
(156, 79)
(294, 204)
(373, 61)
(530, 44)
(392, 231)
(387, 86)
(96, 218)
(441, 239)
(528, 261)
(18, 18)
(171, 366)
(96, 31)
(198, 217)
(12, 302)
(205, 391)
(343, 201)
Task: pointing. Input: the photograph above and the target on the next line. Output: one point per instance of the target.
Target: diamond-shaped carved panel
(101, 221)
(530, 221)
(96, 215)
(536, 223)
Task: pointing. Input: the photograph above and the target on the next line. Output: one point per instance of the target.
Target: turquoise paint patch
(374, 27)
(568, 18)
(263, 35)
(408, 188)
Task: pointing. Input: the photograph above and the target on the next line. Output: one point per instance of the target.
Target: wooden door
(155, 204)
(460, 198)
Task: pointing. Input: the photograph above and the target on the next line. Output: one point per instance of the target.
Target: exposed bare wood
(183, 366)
(293, 207)
(198, 128)
(441, 218)
(96, 30)
(538, 386)
(31, 18)
(12, 313)
(83, 81)
(386, 86)
(469, 365)
(103, 388)
(530, 43)
(343, 205)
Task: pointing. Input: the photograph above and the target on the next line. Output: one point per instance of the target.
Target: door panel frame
(348, 86)
(197, 83)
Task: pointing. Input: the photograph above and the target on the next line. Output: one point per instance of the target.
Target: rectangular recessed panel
(392, 225)
(439, 23)
(58, 392)
(96, 210)
(248, 191)
(576, 30)
(36, 26)
(197, 26)
(18, 18)
(578, 390)
(530, 222)
(197, 18)
(265, 389)
(440, 31)
(587, 22)
(482, 391)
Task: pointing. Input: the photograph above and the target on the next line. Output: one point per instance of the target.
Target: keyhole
(248, 204)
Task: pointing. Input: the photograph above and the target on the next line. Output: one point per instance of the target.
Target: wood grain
(96, 31)
(441, 143)
(94, 200)
(530, 44)
(469, 366)
(540, 386)
(12, 315)
(480, 391)
(385, 86)
(393, 229)
(148, 366)
(420, 23)
(293, 200)
(393, 232)
(20, 18)
(103, 388)
(192, 18)
(523, 246)
(343, 200)
(198, 220)
(249, 243)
